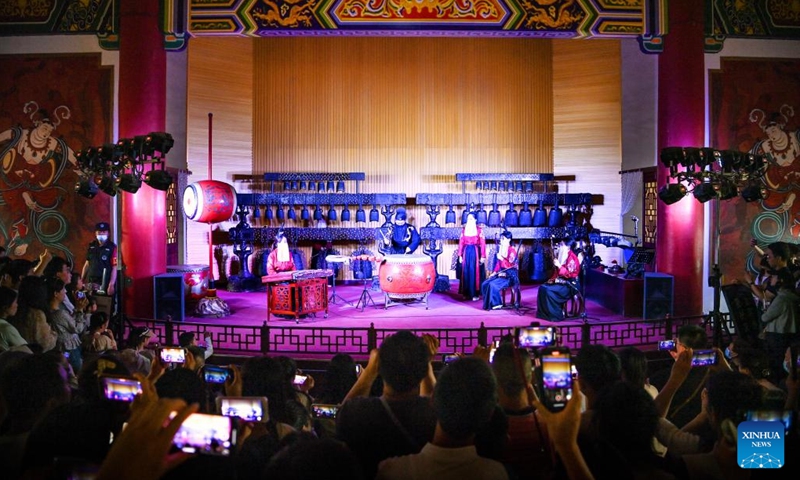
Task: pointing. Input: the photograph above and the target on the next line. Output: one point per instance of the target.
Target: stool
(516, 297)
(574, 306)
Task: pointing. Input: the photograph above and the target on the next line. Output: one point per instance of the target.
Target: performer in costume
(404, 238)
(505, 274)
(472, 257)
(280, 258)
(562, 286)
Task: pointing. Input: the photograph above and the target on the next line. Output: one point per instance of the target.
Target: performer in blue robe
(404, 238)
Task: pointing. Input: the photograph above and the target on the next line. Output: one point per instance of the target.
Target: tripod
(714, 280)
(334, 295)
(365, 298)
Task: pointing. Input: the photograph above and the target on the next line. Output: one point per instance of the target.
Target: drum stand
(365, 297)
(334, 295)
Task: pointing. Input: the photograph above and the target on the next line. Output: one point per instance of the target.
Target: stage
(460, 325)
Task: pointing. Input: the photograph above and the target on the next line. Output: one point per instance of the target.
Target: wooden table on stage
(297, 293)
(615, 292)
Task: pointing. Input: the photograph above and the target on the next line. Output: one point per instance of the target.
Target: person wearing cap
(100, 270)
(404, 238)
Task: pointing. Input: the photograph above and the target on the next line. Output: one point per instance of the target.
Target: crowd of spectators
(400, 416)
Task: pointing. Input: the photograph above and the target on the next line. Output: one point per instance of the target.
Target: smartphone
(704, 358)
(449, 358)
(249, 409)
(80, 294)
(325, 410)
(535, 337)
(359, 369)
(203, 433)
(299, 380)
(121, 389)
(216, 374)
(492, 349)
(783, 416)
(556, 381)
(172, 355)
(668, 345)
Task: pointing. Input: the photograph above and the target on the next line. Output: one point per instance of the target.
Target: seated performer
(472, 257)
(562, 286)
(280, 259)
(505, 274)
(404, 238)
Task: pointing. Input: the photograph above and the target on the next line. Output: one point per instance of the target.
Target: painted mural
(755, 107)
(50, 107)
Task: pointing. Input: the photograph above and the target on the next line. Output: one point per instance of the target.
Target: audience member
(186, 339)
(402, 420)
(133, 356)
(310, 458)
(10, 339)
(464, 400)
(68, 328)
(99, 338)
(31, 317)
(781, 320)
(598, 367)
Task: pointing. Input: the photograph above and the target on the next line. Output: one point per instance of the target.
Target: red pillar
(681, 122)
(142, 109)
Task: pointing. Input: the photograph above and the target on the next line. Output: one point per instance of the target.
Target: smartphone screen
(121, 389)
(449, 358)
(666, 344)
(215, 374)
(534, 337)
(173, 355)
(299, 379)
(556, 378)
(250, 409)
(203, 433)
(492, 349)
(321, 410)
(704, 358)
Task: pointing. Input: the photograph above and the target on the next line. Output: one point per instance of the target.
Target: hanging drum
(209, 201)
(407, 277)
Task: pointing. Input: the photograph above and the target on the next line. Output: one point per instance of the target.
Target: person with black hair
(404, 238)
(464, 400)
(68, 328)
(15, 271)
(563, 285)
(10, 339)
(100, 270)
(31, 317)
(187, 339)
(306, 457)
(98, 338)
(132, 356)
(598, 367)
(505, 274)
(781, 320)
(402, 419)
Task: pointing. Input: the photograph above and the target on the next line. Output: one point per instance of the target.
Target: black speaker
(168, 297)
(658, 289)
(743, 310)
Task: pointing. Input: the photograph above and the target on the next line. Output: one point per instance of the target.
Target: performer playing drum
(404, 238)
(472, 257)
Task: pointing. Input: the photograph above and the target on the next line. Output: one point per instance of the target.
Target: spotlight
(727, 190)
(671, 193)
(754, 165)
(128, 182)
(672, 156)
(731, 160)
(108, 185)
(158, 179)
(86, 188)
(159, 142)
(704, 192)
(754, 192)
(110, 153)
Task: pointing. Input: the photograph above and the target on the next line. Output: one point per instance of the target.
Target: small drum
(209, 201)
(195, 279)
(407, 276)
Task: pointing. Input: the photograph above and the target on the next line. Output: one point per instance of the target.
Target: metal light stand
(714, 280)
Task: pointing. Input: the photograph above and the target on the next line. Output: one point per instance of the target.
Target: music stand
(640, 258)
(337, 259)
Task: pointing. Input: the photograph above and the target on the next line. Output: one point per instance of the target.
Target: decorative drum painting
(404, 277)
(195, 281)
(209, 201)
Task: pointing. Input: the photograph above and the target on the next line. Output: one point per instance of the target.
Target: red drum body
(209, 201)
(195, 280)
(407, 276)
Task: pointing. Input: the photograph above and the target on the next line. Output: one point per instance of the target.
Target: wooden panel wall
(587, 119)
(220, 81)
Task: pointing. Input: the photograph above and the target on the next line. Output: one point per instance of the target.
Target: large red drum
(209, 201)
(195, 280)
(407, 276)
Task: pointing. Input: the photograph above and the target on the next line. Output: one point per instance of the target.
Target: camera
(323, 410)
(121, 389)
(249, 409)
(299, 380)
(536, 336)
(555, 377)
(704, 358)
(668, 345)
(449, 358)
(172, 355)
(203, 433)
(215, 374)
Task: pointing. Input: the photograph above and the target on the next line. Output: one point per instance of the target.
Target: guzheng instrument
(296, 275)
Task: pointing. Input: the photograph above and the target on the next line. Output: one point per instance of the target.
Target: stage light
(700, 157)
(727, 190)
(731, 160)
(110, 153)
(128, 182)
(704, 192)
(754, 192)
(161, 142)
(86, 188)
(671, 157)
(107, 185)
(754, 165)
(158, 179)
(671, 193)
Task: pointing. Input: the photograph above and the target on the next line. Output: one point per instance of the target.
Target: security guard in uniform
(100, 270)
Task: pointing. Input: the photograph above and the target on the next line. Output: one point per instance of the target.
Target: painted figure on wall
(33, 160)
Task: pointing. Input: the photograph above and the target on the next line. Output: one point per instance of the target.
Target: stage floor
(445, 310)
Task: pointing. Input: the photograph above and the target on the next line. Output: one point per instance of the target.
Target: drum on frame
(407, 276)
(195, 281)
(209, 201)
